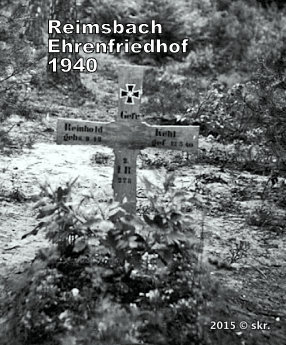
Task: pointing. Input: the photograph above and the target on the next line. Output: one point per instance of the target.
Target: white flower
(153, 294)
(102, 327)
(75, 292)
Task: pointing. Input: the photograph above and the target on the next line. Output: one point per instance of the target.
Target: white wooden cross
(127, 135)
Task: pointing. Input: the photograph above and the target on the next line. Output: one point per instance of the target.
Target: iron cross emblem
(130, 93)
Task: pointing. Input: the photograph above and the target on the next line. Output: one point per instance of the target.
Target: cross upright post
(124, 181)
(127, 135)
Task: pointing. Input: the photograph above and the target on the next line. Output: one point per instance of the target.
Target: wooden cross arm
(80, 132)
(137, 136)
(129, 135)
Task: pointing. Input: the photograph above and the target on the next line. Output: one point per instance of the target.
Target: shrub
(168, 95)
(270, 87)
(17, 58)
(164, 12)
(231, 35)
(106, 11)
(170, 16)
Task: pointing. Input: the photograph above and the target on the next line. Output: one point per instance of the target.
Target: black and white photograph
(142, 172)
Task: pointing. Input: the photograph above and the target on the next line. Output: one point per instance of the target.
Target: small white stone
(75, 292)
(63, 315)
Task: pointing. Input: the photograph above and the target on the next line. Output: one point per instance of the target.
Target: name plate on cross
(127, 135)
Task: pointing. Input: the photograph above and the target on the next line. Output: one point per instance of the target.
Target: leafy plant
(262, 216)
(238, 251)
(59, 217)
